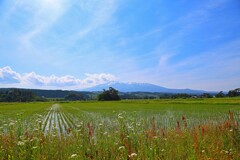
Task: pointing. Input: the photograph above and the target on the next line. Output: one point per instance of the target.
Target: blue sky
(72, 44)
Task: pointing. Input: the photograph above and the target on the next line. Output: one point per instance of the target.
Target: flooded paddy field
(145, 129)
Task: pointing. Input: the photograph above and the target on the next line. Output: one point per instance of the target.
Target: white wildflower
(11, 124)
(105, 133)
(20, 143)
(73, 155)
(133, 155)
(121, 148)
(120, 116)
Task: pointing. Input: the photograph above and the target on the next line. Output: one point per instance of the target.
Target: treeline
(231, 93)
(149, 95)
(28, 95)
(18, 95)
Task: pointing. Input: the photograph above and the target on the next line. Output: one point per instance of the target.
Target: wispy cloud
(205, 70)
(44, 13)
(10, 78)
(100, 13)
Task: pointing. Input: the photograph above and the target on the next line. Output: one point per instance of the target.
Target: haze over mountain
(141, 87)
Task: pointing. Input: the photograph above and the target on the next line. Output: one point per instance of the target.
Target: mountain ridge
(141, 87)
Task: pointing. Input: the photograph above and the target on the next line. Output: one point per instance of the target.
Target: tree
(232, 93)
(17, 95)
(220, 94)
(181, 95)
(109, 95)
(74, 97)
(206, 95)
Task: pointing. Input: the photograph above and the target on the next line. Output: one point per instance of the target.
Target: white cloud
(10, 78)
(7, 75)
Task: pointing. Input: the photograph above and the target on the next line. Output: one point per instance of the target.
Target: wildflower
(105, 133)
(230, 130)
(120, 116)
(121, 148)
(20, 143)
(203, 151)
(73, 155)
(11, 124)
(163, 150)
(133, 155)
(100, 124)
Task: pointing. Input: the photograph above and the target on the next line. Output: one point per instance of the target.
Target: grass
(134, 129)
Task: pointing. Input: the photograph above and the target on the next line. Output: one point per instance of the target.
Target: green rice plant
(153, 129)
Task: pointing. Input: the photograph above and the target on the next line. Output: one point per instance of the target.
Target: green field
(136, 129)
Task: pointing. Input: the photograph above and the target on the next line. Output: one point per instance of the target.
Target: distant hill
(141, 87)
(52, 93)
(127, 91)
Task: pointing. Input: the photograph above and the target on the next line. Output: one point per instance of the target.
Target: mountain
(141, 87)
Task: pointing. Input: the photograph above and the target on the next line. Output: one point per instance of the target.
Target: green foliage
(234, 93)
(109, 95)
(181, 95)
(74, 97)
(137, 129)
(206, 95)
(18, 95)
(220, 94)
(56, 94)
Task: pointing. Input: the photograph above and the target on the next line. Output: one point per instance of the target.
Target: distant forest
(28, 95)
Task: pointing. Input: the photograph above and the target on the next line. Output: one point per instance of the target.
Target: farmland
(136, 129)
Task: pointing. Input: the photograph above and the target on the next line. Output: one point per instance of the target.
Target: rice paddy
(141, 129)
